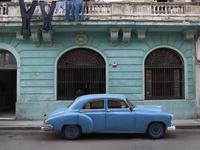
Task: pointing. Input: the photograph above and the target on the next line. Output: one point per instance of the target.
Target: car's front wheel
(71, 132)
(156, 130)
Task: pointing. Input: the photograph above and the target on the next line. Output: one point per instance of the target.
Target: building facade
(144, 50)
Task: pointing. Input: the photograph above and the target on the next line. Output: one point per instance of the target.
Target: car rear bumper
(171, 128)
(47, 127)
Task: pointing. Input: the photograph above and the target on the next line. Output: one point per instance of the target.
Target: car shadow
(100, 136)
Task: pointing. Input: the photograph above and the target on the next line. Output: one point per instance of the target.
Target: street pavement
(36, 124)
(181, 139)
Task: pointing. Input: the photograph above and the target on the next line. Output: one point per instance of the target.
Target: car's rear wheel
(71, 132)
(156, 130)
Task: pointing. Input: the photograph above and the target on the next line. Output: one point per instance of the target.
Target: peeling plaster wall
(37, 78)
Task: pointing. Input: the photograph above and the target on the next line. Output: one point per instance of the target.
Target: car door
(95, 109)
(119, 117)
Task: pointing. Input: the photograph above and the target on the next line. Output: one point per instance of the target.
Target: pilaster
(197, 67)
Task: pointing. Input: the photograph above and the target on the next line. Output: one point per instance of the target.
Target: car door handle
(81, 110)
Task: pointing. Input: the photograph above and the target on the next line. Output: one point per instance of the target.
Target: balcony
(115, 11)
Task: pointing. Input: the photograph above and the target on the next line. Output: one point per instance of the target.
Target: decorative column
(189, 34)
(141, 34)
(35, 37)
(197, 66)
(114, 35)
(126, 35)
(47, 38)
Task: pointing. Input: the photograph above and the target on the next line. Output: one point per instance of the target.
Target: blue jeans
(26, 17)
(74, 9)
(78, 9)
(47, 18)
(69, 9)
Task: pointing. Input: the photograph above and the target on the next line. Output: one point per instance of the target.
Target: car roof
(81, 100)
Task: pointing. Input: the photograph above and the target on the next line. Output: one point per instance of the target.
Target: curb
(188, 127)
(20, 125)
(20, 128)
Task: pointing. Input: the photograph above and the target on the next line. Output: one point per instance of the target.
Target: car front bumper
(171, 128)
(47, 127)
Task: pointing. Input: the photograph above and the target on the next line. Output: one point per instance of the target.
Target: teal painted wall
(37, 75)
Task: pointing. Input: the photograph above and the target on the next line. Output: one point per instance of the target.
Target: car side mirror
(131, 108)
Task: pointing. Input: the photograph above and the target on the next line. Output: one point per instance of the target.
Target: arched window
(7, 60)
(164, 75)
(79, 72)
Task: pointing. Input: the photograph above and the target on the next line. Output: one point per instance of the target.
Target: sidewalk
(35, 125)
(20, 125)
(187, 124)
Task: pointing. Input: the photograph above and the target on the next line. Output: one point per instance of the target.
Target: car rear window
(98, 104)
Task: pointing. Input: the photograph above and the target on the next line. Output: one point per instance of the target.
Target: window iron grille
(7, 60)
(164, 75)
(80, 72)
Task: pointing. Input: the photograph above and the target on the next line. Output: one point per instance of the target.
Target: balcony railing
(168, 9)
(10, 12)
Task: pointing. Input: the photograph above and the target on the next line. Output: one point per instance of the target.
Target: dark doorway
(8, 84)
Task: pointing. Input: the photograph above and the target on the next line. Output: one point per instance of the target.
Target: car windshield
(70, 104)
(130, 104)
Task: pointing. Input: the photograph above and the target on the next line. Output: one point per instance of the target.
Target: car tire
(156, 130)
(71, 132)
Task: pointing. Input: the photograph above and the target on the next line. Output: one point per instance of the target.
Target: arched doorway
(8, 83)
(164, 75)
(79, 72)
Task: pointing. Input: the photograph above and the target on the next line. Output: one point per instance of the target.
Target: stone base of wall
(182, 109)
(38, 110)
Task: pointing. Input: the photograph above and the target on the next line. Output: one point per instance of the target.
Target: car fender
(58, 122)
(86, 123)
(143, 123)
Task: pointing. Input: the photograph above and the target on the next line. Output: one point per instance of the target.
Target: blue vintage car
(108, 113)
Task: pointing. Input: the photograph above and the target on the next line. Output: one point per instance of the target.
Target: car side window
(98, 104)
(117, 104)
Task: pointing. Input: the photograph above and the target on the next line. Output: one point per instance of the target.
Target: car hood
(153, 108)
(57, 112)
